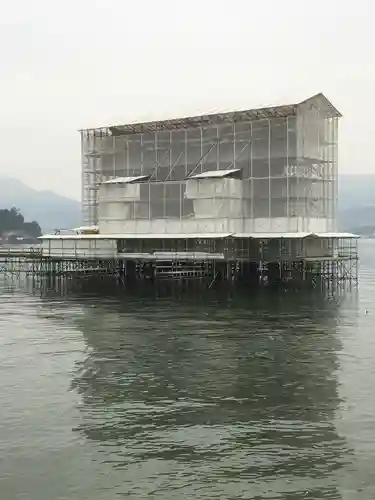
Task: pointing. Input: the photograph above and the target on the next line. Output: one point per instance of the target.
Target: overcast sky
(75, 64)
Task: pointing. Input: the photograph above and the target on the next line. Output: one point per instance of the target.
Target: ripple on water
(266, 397)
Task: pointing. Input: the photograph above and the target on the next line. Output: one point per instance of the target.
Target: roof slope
(220, 118)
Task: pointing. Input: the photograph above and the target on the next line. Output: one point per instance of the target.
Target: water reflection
(218, 399)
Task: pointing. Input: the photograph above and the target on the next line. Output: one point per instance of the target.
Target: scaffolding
(247, 196)
(258, 259)
(279, 170)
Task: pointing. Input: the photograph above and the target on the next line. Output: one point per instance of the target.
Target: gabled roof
(280, 111)
(324, 104)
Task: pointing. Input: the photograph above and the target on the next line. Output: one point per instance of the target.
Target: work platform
(255, 260)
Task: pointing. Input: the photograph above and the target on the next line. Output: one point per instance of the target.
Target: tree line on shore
(11, 220)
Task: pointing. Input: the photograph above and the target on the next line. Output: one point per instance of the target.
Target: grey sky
(74, 64)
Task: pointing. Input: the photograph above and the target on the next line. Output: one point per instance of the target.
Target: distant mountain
(49, 209)
(357, 203)
(356, 190)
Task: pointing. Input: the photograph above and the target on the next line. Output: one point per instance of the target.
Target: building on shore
(238, 195)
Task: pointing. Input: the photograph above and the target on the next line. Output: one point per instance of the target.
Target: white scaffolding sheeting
(284, 157)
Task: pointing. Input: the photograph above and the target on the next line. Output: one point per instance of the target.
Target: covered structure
(246, 196)
(262, 170)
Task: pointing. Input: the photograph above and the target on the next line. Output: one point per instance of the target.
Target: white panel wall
(219, 225)
(119, 192)
(76, 248)
(161, 226)
(212, 188)
(288, 225)
(216, 208)
(215, 198)
(115, 211)
(116, 201)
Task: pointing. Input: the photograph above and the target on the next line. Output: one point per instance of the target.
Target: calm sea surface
(254, 397)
